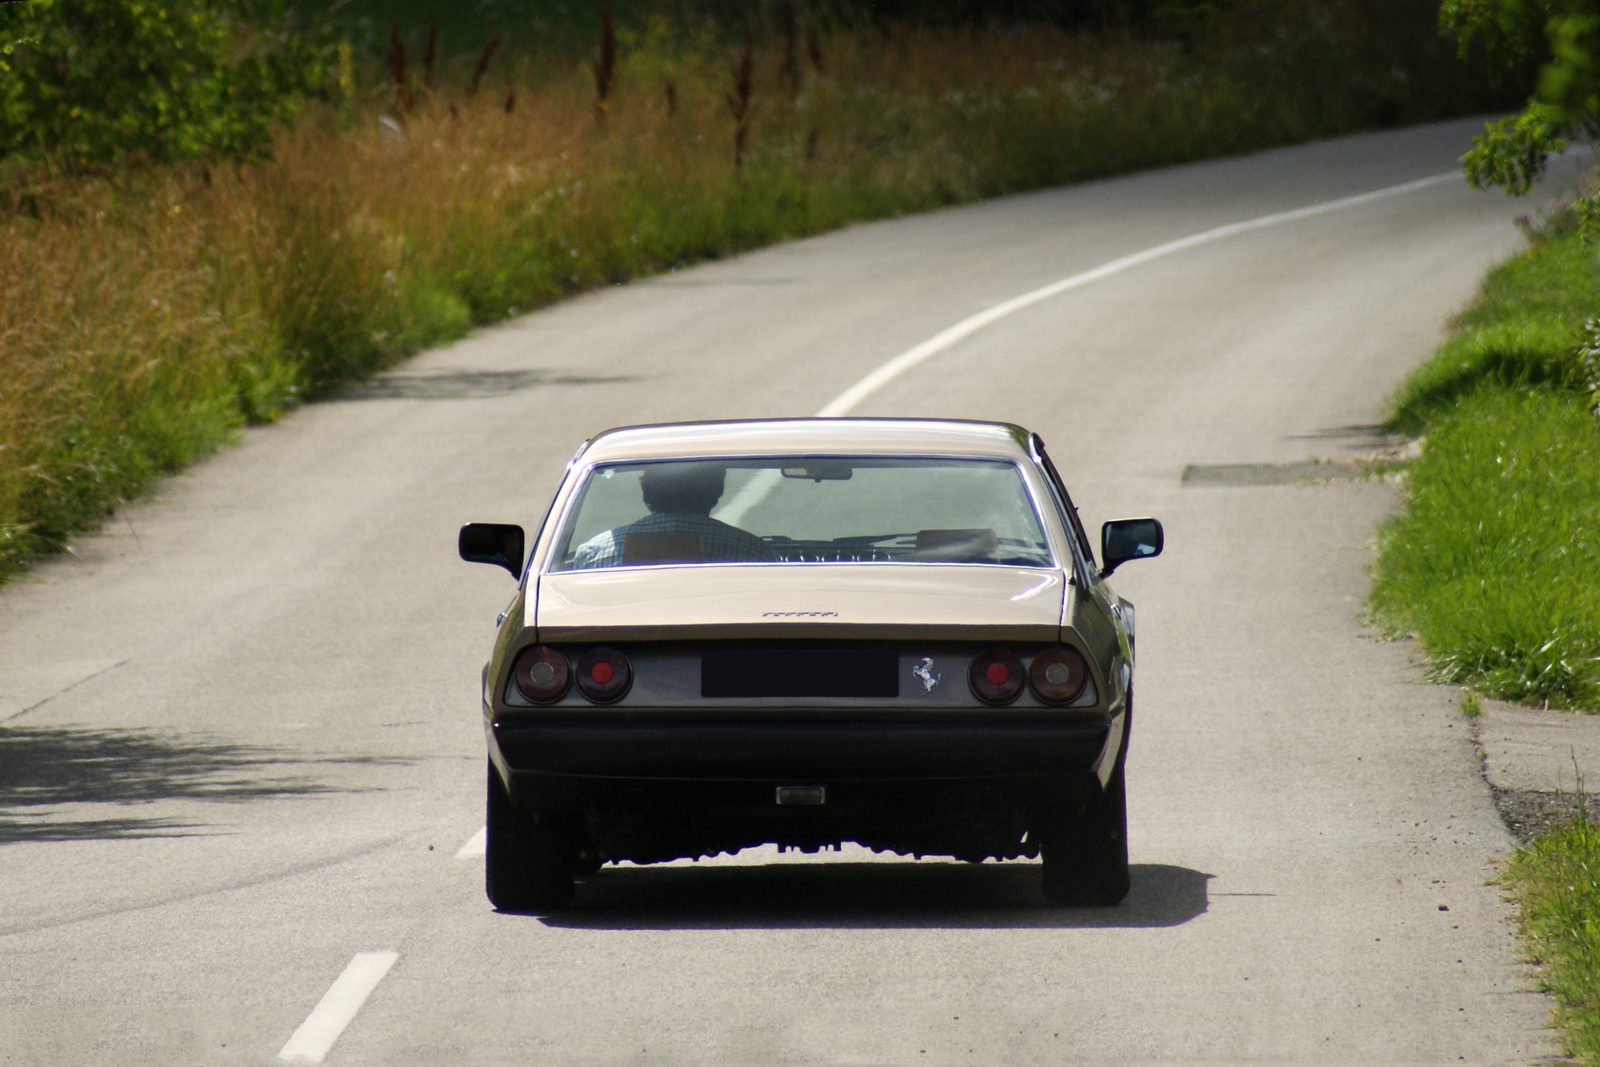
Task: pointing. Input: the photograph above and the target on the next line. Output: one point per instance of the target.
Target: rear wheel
(1084, 853)
(530, 857)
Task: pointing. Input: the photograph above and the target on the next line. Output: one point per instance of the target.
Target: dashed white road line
(337, 1008)
(476, 845)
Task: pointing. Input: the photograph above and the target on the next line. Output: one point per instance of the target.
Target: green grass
(1495, 562)
(1556, 880)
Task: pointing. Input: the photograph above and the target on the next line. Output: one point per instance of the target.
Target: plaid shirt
(719, 542)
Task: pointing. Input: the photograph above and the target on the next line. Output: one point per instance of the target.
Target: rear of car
(805, 633)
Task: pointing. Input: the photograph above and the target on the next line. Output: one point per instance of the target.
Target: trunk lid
(813, 601)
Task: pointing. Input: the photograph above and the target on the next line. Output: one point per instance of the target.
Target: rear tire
(530, 857)
(1084, 853)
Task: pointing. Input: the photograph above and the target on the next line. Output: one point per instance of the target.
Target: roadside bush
(94, 81)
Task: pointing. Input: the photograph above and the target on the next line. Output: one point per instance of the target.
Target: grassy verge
(146, 315)
(1495, 562)
(1556, 879)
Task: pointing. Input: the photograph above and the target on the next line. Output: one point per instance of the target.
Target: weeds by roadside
(1556, 881)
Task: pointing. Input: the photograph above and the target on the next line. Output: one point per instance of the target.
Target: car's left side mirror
(1125, 539)
(492, 542)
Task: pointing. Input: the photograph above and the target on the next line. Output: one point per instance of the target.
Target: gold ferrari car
(805, 632)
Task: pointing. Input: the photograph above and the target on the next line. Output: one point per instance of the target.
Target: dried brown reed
(481, 67)
(739, 99)
(430, 57)
(789, 63)
(605, 65)
(395, 62)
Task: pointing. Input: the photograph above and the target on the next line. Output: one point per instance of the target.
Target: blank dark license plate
(799, 672)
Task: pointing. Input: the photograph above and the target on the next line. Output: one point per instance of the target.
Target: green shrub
(93, 81)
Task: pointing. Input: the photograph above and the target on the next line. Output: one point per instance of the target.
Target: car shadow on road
(866, 895)
(56, 782)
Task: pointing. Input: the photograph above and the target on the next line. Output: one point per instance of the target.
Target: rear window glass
(798, 510)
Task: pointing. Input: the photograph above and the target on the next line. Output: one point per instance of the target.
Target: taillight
(604, 674)
(542, 674)
(996, 676)
(1057, 675)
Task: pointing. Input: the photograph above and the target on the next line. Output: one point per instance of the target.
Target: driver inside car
(679, 528)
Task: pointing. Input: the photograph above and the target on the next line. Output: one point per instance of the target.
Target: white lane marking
(477, 845)
(969, 326)
(337, 1007)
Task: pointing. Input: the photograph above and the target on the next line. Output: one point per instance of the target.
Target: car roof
(808, 437)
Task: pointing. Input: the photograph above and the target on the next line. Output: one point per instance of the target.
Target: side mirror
(1125, 539)
(492, 542)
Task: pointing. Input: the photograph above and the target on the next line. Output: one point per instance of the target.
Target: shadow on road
(461, 384)
(49, 776)
(1363, 438)
(866, 895)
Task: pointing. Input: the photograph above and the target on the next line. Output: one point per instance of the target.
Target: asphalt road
(240, 741)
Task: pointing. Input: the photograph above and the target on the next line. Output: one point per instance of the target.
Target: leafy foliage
(95, 81)
(1559, 38)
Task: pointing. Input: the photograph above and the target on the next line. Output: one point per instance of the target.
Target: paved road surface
(240, 742)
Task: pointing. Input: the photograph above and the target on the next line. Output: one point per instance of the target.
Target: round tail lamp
(1057, 675)
(997, 676)
(604, 674)
(542, 674)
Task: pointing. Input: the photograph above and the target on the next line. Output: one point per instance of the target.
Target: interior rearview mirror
(1125, 539)
(492, 542)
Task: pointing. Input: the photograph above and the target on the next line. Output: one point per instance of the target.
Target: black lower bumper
(872, 751)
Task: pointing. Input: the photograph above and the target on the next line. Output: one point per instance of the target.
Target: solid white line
(337, 1007)
(969, 326)
(477, 845)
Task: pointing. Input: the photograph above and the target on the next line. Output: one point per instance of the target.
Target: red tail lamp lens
(604, 674)
(1057, 675)
(542, 674)
(997, 676)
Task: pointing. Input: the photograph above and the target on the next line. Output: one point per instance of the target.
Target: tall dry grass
(146, 316)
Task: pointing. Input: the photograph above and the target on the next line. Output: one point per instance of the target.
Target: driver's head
(682, 488)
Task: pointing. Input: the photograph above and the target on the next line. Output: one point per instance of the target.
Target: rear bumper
(795, 752)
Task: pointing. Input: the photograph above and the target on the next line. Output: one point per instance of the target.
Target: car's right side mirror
(1125, 539)
(495, 543)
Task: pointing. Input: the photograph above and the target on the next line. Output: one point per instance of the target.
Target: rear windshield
(798, 510)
